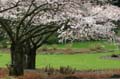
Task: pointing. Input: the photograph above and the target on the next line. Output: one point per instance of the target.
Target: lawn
(85, 44)
(79, 61)
(92, 61)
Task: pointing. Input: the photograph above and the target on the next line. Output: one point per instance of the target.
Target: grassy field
(88, 44)
(78, 61)
(86, 61)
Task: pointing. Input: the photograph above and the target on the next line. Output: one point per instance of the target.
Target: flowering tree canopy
(91, 22)
(32, 18)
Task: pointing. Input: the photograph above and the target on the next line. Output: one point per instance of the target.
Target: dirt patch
(3, 72)
(39, 74)
(81, 74)
(5, 50)
(73, 50)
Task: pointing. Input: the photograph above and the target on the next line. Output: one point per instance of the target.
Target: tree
(95, 22)
(32, 22)
(28, 25)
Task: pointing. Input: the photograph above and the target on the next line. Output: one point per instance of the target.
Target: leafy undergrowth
(73, 51)
(42, 74)
(78, 47)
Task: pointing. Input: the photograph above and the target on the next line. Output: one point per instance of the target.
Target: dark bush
(53, 39)
(114, 55)
(4, 44)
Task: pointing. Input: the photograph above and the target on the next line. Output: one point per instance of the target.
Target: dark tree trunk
(30, 58)
(16, 67)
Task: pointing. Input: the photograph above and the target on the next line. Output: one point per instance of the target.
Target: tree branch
(7, 28)
(1, 11)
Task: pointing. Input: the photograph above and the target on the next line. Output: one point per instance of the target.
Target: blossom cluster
(87, 19)
(92, 22)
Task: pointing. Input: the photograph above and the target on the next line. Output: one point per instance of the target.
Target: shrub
(62, 70)
(54, 46)
(44, 48)
(4, 44)
(114, 55)
(53, 39)
(115, 76)
(49, 69)
(67, 70)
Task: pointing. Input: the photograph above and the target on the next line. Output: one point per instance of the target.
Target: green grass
(4, 59)
(91, 61)
(78, 61)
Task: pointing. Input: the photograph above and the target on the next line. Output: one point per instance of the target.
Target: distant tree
(92, 22)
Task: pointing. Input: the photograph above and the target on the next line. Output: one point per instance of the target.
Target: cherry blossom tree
(28, 25)
(92, 22)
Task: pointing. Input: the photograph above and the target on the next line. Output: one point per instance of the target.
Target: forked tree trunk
(16, 67)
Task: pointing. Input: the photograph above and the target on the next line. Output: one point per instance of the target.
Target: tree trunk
(16, 67)
(30, 59)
